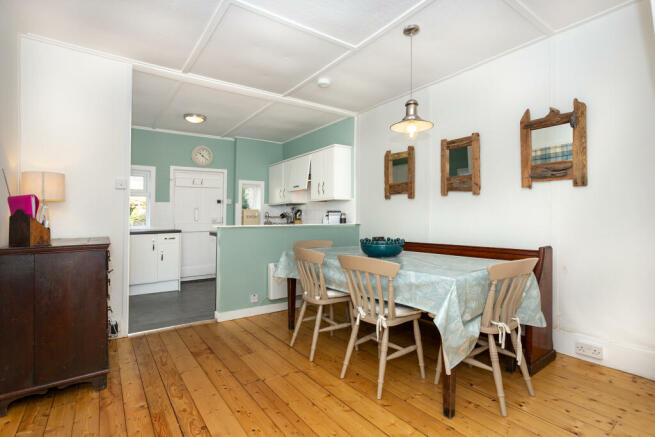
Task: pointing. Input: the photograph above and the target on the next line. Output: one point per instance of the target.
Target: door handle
(153, 244)
(196, 213)
(162, 255)
(323, 187)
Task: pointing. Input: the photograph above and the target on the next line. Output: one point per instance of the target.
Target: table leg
(291, 298)
(448, 388)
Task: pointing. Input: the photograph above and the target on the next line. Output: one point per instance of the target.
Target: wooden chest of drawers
(53, 317)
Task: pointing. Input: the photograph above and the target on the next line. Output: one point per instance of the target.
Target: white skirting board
(628, 358)
(253, 311)
(155, 287)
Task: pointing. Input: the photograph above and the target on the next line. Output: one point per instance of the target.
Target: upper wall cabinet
(331, 177)
(297, 173)
(331, 173)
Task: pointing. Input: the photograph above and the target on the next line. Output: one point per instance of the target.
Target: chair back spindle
(508, 281)
(309, 264)
(364, 277)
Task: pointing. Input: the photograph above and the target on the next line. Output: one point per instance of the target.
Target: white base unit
(154, 263)
(277, 287)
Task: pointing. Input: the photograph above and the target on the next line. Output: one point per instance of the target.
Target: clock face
(202, 156)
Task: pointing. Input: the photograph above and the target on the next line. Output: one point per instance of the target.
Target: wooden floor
(240, 377)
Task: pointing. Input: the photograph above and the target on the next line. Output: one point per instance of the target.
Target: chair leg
(349, 351)
(317, 326)
(419, 348)
(332, 318)
(300, 317)
(437, 375)
(498, 377)
(383, 361)
(523, 366)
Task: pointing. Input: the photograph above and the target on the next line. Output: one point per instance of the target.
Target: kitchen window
(141, 196)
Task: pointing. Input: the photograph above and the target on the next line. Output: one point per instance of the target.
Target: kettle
(297, 216)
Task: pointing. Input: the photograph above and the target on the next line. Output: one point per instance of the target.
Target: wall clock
(202, 156)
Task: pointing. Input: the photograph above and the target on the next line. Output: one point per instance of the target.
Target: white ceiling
(251, 65)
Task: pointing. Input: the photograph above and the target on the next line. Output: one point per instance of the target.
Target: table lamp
(48, 186)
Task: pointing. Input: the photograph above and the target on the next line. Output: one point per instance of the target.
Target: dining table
(451, 289)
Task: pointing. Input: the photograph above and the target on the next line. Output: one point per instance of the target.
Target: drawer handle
(169, 238)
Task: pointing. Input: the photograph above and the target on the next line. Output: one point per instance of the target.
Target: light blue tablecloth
(454, 288)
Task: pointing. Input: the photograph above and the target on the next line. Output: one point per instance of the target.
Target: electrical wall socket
(254, 298)
(589, 350)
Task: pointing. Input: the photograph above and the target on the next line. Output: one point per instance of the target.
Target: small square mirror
(399, 173)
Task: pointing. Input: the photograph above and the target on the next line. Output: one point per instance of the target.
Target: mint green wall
(243, 255)
(342, 132)
(252, 160)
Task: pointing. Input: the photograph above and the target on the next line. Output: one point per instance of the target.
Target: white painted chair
(508, 281)
(370, 307)
(311, 277)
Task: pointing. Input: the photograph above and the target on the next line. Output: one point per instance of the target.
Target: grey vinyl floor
(196, 302)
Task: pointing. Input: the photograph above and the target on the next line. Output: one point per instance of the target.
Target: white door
(143, 261)
(168, 257)
(276, 184)
(199, 204)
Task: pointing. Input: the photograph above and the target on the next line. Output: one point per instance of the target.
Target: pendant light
(411, 124)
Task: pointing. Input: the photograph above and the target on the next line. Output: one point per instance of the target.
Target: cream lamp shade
(48, 186)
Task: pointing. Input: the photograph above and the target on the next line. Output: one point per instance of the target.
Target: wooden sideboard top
(62, 245)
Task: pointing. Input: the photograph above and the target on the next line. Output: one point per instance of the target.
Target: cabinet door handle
(196, 213)
(162, 255)
(153, 244)
(323, 187)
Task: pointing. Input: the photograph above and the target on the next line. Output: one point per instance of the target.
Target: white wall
(9, 143)
(75, 119)
(603, 234)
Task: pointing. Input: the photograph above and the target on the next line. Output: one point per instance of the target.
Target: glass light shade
(195, 118)
(411, 124)
(47, 186)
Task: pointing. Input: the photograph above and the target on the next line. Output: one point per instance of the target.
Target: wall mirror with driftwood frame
(460, 165)
(399, 173)
(555, 147)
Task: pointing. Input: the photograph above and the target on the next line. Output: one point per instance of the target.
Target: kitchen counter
(275, 225)
(154, 231)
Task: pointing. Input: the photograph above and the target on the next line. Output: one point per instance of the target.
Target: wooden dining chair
(313, 244)
(364, 277)
(319, 244)
(316, 293)
(508, 281)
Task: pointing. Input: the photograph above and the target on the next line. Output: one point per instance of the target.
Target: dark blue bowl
(382, 248)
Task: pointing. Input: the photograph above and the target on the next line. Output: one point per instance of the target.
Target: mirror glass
(460, 161)
(552, 144)
(400, 170)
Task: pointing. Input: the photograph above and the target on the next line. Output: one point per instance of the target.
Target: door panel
(143, 260)
(198, 254)
(16, 322)
(69, 307)
(168, 257)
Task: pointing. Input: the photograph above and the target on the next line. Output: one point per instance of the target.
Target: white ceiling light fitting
(411, 124)
(195, 118)
(324, 82)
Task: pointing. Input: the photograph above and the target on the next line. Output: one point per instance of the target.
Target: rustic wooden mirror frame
(391, 187)
(469, 182)
(576, 168)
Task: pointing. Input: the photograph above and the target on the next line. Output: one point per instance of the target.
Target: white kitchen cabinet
(297, 173)
(276, 186)
(331, 169)
(168, 258)
(154, 263)
(143, 260)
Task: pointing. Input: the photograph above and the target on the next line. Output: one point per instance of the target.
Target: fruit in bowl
(379, 247)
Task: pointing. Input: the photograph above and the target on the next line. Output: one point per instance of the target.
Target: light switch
(120, 184)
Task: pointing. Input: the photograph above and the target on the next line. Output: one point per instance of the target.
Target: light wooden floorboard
(241, 378)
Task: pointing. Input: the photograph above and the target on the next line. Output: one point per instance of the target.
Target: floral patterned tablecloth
(453, 288)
